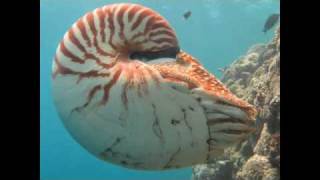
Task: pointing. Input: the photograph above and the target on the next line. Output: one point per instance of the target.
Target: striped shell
(123, 109)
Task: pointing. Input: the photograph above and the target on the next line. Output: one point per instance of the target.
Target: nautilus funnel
(128, 94)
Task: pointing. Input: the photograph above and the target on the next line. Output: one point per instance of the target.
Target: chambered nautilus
(128, 94)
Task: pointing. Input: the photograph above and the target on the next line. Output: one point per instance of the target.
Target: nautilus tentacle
(128, 95)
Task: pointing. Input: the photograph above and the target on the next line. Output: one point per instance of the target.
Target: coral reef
(254, 77)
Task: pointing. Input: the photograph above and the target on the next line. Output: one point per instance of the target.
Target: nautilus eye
(128, 94)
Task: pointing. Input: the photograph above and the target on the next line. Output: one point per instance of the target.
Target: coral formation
(255, 78)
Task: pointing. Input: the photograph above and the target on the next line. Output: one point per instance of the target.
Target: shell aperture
(127, 93)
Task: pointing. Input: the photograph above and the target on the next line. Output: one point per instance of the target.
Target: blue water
(217, 33)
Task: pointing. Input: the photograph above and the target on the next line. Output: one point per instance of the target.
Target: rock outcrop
(254, 77)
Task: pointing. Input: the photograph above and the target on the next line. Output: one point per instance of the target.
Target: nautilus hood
(128, 94)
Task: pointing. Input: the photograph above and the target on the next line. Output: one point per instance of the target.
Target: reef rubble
(254, 77)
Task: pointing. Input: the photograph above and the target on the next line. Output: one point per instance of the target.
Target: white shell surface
(162, 129)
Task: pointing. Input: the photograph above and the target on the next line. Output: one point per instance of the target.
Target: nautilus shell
(128, 94)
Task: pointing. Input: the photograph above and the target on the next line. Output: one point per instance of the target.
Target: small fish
(187, 14)
(222, 69)
(270, 22)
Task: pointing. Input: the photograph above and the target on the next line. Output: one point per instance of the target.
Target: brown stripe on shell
(121, 20)
(160, 32)
(76, 41)
(67, 71)
(126, 87)
(160, 24)
(61, 69)
(108, 87)
(69, 54)
(132, 12)
(144, 14)
(101, 17)
(109, 11)
(83, 31)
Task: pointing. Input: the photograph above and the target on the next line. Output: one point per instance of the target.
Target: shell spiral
(112, 31)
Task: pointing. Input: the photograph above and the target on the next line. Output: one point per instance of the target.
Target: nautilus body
(128, 94)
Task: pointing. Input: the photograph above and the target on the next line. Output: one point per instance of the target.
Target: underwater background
(217, 33)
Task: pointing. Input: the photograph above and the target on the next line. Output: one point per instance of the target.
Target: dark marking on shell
(123, 118)
(109, 150)
(124, 162)
(175, 122)
(211, 139)
(128, 156)
(192, 144)
(224, 120)
(209, 145)
(156, 126)
(185, 119)
(172, 158)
